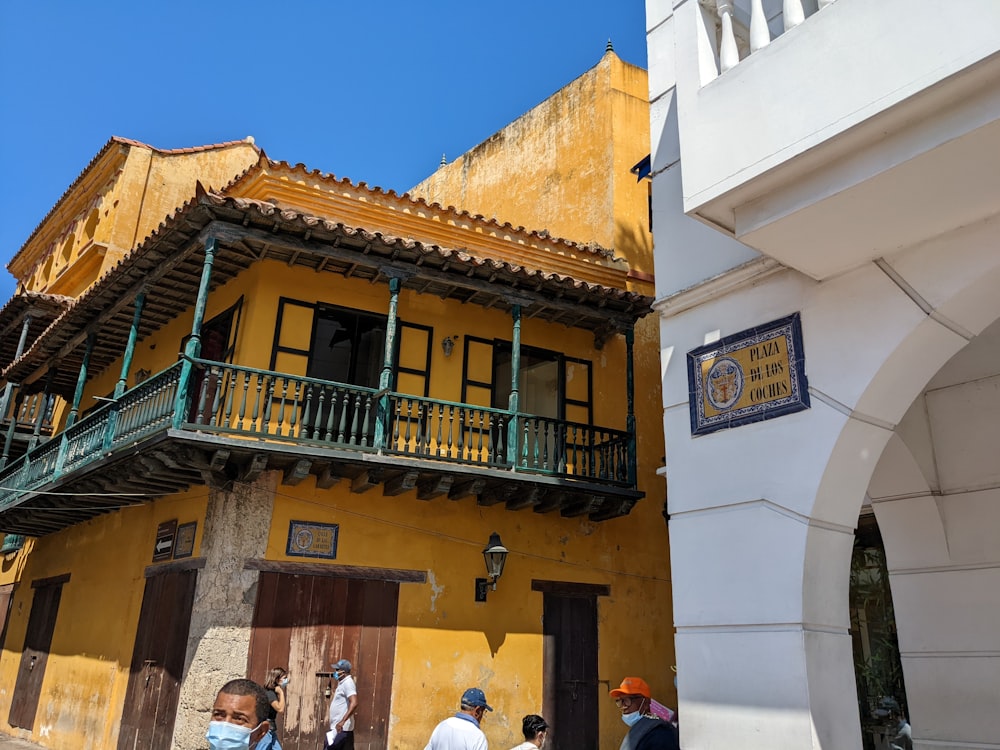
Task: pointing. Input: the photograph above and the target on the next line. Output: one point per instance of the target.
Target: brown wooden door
(6, 594)
(304, 623)
(157, 662)
(38, 639)
(570, 674)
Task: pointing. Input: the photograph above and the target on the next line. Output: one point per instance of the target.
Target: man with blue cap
(461, 731)
(342, 707)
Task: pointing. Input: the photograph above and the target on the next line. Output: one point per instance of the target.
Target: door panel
(570, 658)
(157, 662)
(37, 640)
(304, 623)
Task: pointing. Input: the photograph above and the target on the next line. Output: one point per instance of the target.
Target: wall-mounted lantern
(448, 344)
(495, 555)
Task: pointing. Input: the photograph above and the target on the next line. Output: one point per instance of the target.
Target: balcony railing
(244, 402)
(793, 13)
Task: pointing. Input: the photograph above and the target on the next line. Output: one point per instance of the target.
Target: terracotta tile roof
(168, 265)
(43, 309)
(405, 201)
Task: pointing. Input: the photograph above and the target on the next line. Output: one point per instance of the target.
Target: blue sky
(373, 91)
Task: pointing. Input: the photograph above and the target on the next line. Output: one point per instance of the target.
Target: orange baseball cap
(632, 686)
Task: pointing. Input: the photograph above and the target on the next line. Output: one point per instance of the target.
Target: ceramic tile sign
(308, 539)
(749, 376)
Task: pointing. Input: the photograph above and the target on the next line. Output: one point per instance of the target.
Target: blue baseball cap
(475, 698)
(343, 664)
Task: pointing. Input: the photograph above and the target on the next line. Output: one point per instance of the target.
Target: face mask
(632, 718)
(284, 682)
(336, 676)
(222, 735)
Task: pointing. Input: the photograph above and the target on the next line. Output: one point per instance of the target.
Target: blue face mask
(222, 735)
(632, 719)
(284, 682)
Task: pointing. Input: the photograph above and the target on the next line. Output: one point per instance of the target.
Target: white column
(760, 35)
(792, 13)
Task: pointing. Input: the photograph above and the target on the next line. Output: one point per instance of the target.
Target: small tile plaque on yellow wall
(309, 539)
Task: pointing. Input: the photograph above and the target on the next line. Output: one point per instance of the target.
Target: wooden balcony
(240, 421)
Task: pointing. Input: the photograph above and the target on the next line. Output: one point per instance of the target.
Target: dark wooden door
(38, 639)
(157, 662)
(6, 594)
(304, 623)
(570, 674)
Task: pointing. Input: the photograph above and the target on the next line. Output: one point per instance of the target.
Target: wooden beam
(398, 575)
(366, 479)
(254, 467)
(466, 487)
(434, 486)
(326, 478)
(401, 483)
(525, 497)
(582, 506)
(297, 472)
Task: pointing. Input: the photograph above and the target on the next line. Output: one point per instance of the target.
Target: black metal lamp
(495, 555)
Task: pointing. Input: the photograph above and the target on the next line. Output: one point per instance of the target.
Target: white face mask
(632, 718)
(222, 735)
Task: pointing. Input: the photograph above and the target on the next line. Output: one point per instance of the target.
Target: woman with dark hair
(535, 730)
(274, 685)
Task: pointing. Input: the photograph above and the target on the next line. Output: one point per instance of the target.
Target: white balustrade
(792, 13)
(760, 35)
(729, 55)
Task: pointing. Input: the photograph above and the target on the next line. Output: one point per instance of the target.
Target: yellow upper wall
(564, 165)
(119, 199)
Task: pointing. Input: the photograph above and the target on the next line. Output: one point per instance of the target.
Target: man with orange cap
(646, 732)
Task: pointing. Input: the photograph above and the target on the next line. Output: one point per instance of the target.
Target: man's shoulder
(655, 735)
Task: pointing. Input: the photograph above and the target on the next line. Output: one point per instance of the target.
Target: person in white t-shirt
(461, 731)
(342, 707)
(535, 730)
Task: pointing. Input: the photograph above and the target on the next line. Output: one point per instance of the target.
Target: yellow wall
(88, 665)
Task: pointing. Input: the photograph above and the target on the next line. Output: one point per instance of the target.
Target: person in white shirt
(535, 730)
(342, 708)
(461, 731)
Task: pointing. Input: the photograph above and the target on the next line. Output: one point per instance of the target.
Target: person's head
(340, 668)
(632, 697)
(474, 703)
(239, 716)
(534, 728)
(276, 676)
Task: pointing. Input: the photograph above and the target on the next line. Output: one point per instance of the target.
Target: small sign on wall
(749, 376)
(163, 547)
(184, 543)
(308, 539)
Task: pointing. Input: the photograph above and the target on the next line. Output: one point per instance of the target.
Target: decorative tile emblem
(749, 376)
(307, 539)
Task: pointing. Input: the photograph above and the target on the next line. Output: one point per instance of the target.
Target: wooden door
(570, 673)
(38, 639)
(157, 662)
(305, 622)
(6, 595)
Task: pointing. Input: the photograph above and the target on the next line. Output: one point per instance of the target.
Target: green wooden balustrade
(239, 401)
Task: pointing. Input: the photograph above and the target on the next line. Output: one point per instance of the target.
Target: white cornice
(717, 286)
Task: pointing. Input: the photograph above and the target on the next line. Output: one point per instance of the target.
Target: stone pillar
(237, 523)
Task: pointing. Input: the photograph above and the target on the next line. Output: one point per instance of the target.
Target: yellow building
(284, 427)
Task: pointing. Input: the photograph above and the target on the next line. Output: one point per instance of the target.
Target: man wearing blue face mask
(238, 717)
(646, 732)
(342, 707)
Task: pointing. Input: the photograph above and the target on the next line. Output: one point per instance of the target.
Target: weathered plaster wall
(237, 521)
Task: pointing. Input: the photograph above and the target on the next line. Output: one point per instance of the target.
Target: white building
(841, 163)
